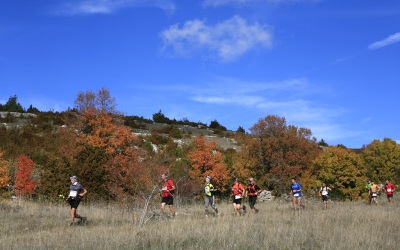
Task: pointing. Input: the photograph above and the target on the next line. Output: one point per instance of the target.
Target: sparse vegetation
(119, 157)
(345, 225)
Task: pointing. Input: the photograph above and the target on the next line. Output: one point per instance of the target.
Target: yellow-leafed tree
(4, 175)
(343, 169)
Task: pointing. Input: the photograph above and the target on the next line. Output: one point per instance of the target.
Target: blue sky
(327, 65)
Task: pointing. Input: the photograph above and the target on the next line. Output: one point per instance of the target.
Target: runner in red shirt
(252, 191)
(167, 197)
(237, 195)
(389, 190)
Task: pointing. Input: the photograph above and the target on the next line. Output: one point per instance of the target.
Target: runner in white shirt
(324, 193)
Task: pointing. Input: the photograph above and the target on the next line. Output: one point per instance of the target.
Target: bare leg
(163, 208)
(171, 207)
(236, 208)
(74, 215)
(299, 202)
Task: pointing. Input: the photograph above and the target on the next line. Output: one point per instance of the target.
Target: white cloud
(332, 132)
(267, 96)
(395, 38)
(233, 91)
(291, 99)
(216, 3)
(228, 40)
(307, 113)
(335, 62)
(234, 102)
(79, 7)
(246, 100)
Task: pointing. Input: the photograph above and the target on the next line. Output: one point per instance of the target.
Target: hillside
(223, 138)
(224, 141)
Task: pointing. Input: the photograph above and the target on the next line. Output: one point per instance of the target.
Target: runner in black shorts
(168, 200)
(167, 197)
(77, 191)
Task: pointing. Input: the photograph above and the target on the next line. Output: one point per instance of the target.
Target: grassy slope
(26, 225)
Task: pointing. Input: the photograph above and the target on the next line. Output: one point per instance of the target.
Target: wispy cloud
(255, 94)
(290, 99)
(395, 38)
(267, 96)
(217, 3)
(341, 60)
(86, 7)
(237, 102)
(335, 62)
(228, 40)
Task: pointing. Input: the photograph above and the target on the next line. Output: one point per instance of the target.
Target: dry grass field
(345, 225)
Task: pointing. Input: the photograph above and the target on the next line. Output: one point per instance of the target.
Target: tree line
(95, 142)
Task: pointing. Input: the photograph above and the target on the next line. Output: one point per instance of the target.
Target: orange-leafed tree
(102, 127)
(24, 183)
(283, 152)
(118, 143)
(4, 174)
(245, 162)
(207, 160)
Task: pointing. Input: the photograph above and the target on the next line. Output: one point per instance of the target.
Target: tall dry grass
(345, 225)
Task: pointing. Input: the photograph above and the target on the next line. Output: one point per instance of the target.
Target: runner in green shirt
(210, 198)
(367, 188)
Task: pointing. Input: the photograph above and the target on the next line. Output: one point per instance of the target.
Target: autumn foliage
(207, 161)
(382, 160)
(92, 142)
(4, 175)
(102, 129)
(343, 169)
(24, 183)
(282, 152)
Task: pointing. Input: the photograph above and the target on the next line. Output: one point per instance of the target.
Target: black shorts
(168, 200)
(237, 201)
(252, 200)
(74, 203)
(325, 197)
(389, 195)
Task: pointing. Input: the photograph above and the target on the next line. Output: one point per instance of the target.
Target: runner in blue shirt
(296, 193)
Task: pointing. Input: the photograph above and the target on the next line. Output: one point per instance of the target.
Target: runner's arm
(172, 188)
(83, 193)
(259, 190)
